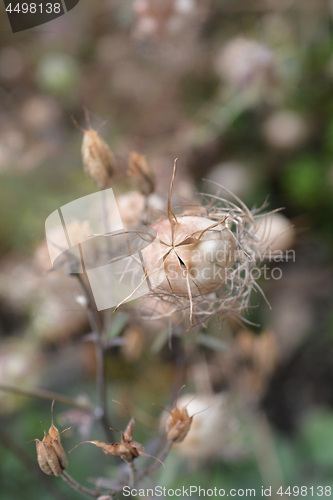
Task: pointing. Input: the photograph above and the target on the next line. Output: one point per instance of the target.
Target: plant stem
(155, 465)
(96, 327)
(42, 394)
(78, 487)
(132, 474)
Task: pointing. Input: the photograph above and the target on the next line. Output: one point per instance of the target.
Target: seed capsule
(141, 173)
(41, 457)
(178, 425)
(98, 159)
(51, 456)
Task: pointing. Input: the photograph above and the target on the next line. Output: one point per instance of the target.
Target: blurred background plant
(241, 92)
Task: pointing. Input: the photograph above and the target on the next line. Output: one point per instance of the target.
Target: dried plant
(201, 267)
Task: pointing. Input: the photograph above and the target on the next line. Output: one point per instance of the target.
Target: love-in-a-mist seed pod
(51, 455)
(98, 159)
(141, 173)
(204, 263)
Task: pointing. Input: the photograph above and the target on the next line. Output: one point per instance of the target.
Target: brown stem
(155, 465)
(78, 487)
(42, 394)
(96, 327)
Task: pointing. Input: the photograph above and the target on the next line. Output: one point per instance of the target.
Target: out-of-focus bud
(98, 159)
(141, 173)
(131, 207)
(20, 364)
(275, 232)
(285, 130)
(243, 63)
(236, 177)
(134, 344)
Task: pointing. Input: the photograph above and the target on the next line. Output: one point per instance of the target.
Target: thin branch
(78, 487)
(155, 465)
(100, 358)
(42, 394)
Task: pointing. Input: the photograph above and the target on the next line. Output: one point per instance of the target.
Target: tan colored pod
(141, 173)
(41, 457)
(98, 159)
(178, 425)
(60, 452)
(52, 459)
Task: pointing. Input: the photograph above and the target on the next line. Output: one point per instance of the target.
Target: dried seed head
(178, 425)
(127, 449)
(51, 456)
(198, 254)
(207, 261)
(141, 173)
(98, 159)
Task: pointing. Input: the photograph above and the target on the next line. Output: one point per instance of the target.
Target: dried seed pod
(205, 262)
(141, 173)
(178, 425)
(98, 159)
(179, 422)
(51, 456)
(127, 449)
(60, 452)
(41, 457)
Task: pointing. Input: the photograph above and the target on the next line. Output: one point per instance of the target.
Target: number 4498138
(304, 491)
(34, 8)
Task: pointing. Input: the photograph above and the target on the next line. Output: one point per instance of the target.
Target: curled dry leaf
(141, 173)
(51, 456)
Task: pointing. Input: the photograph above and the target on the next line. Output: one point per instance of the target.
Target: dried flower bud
(127, 449)
(178, 424)
(133, 347)
(51, 456)
(98, 159)
(141, 173)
